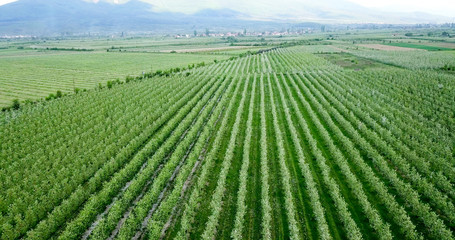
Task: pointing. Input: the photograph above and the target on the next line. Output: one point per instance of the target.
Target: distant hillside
(54, 17)
(44, 17)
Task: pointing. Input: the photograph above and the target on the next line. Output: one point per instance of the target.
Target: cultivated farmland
(279, 144)
(33, 74)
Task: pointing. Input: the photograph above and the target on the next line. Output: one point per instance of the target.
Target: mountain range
(47, 17)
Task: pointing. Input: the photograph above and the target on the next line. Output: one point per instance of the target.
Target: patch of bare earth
(441, 44)
(387, 47)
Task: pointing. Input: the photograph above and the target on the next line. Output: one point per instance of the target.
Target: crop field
(386, 47)
(419, 46)
(280, 144)
(409, 59)
(33, 74)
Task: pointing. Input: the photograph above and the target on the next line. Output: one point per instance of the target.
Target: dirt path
(387, 47)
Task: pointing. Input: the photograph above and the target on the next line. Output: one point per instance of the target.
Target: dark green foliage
(129, 79)
(232, 39)
(16, 104)
(50, 97)
(448, 68)
(69, 49)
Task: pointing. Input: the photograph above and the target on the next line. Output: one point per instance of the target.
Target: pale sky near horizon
(438, 7)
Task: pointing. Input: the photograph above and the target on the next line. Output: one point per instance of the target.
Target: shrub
(16, 104)
(128, 79)
(50, 97)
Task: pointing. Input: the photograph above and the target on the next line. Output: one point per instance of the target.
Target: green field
(420, 46)
(284, 144)
(416, 60)
(32, 74)
(350, 61)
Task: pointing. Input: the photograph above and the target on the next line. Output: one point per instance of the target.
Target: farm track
(275, 145)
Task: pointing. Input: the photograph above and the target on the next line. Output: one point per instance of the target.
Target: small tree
(59, 94)
(195, 33)
(16, 104)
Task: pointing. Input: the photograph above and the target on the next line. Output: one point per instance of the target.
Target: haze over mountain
(44, 17)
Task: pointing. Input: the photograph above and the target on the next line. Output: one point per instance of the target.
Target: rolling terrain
(276, 144)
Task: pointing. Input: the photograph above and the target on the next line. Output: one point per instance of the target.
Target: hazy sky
(440, 7)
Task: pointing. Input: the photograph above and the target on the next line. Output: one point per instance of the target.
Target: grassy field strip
(155, 126)
(241, 204)
(403, 187)
(164, 117)
(152, 160)
(419, 164)
(51, 73)
(40, 139)
(352, 230)
(30, 155)
(217, 197)
(147, 205)
(290, 207)
(383, 229)
(281, 144)
(399, 214)
(162, 94)
(310, 184)
(353, 183)
(419, 46)
(375, 90)
(195, 196)
(140, 181)
(265, 197)
(160, 221)
(441, 200)
(435, 96)
(412, 118)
